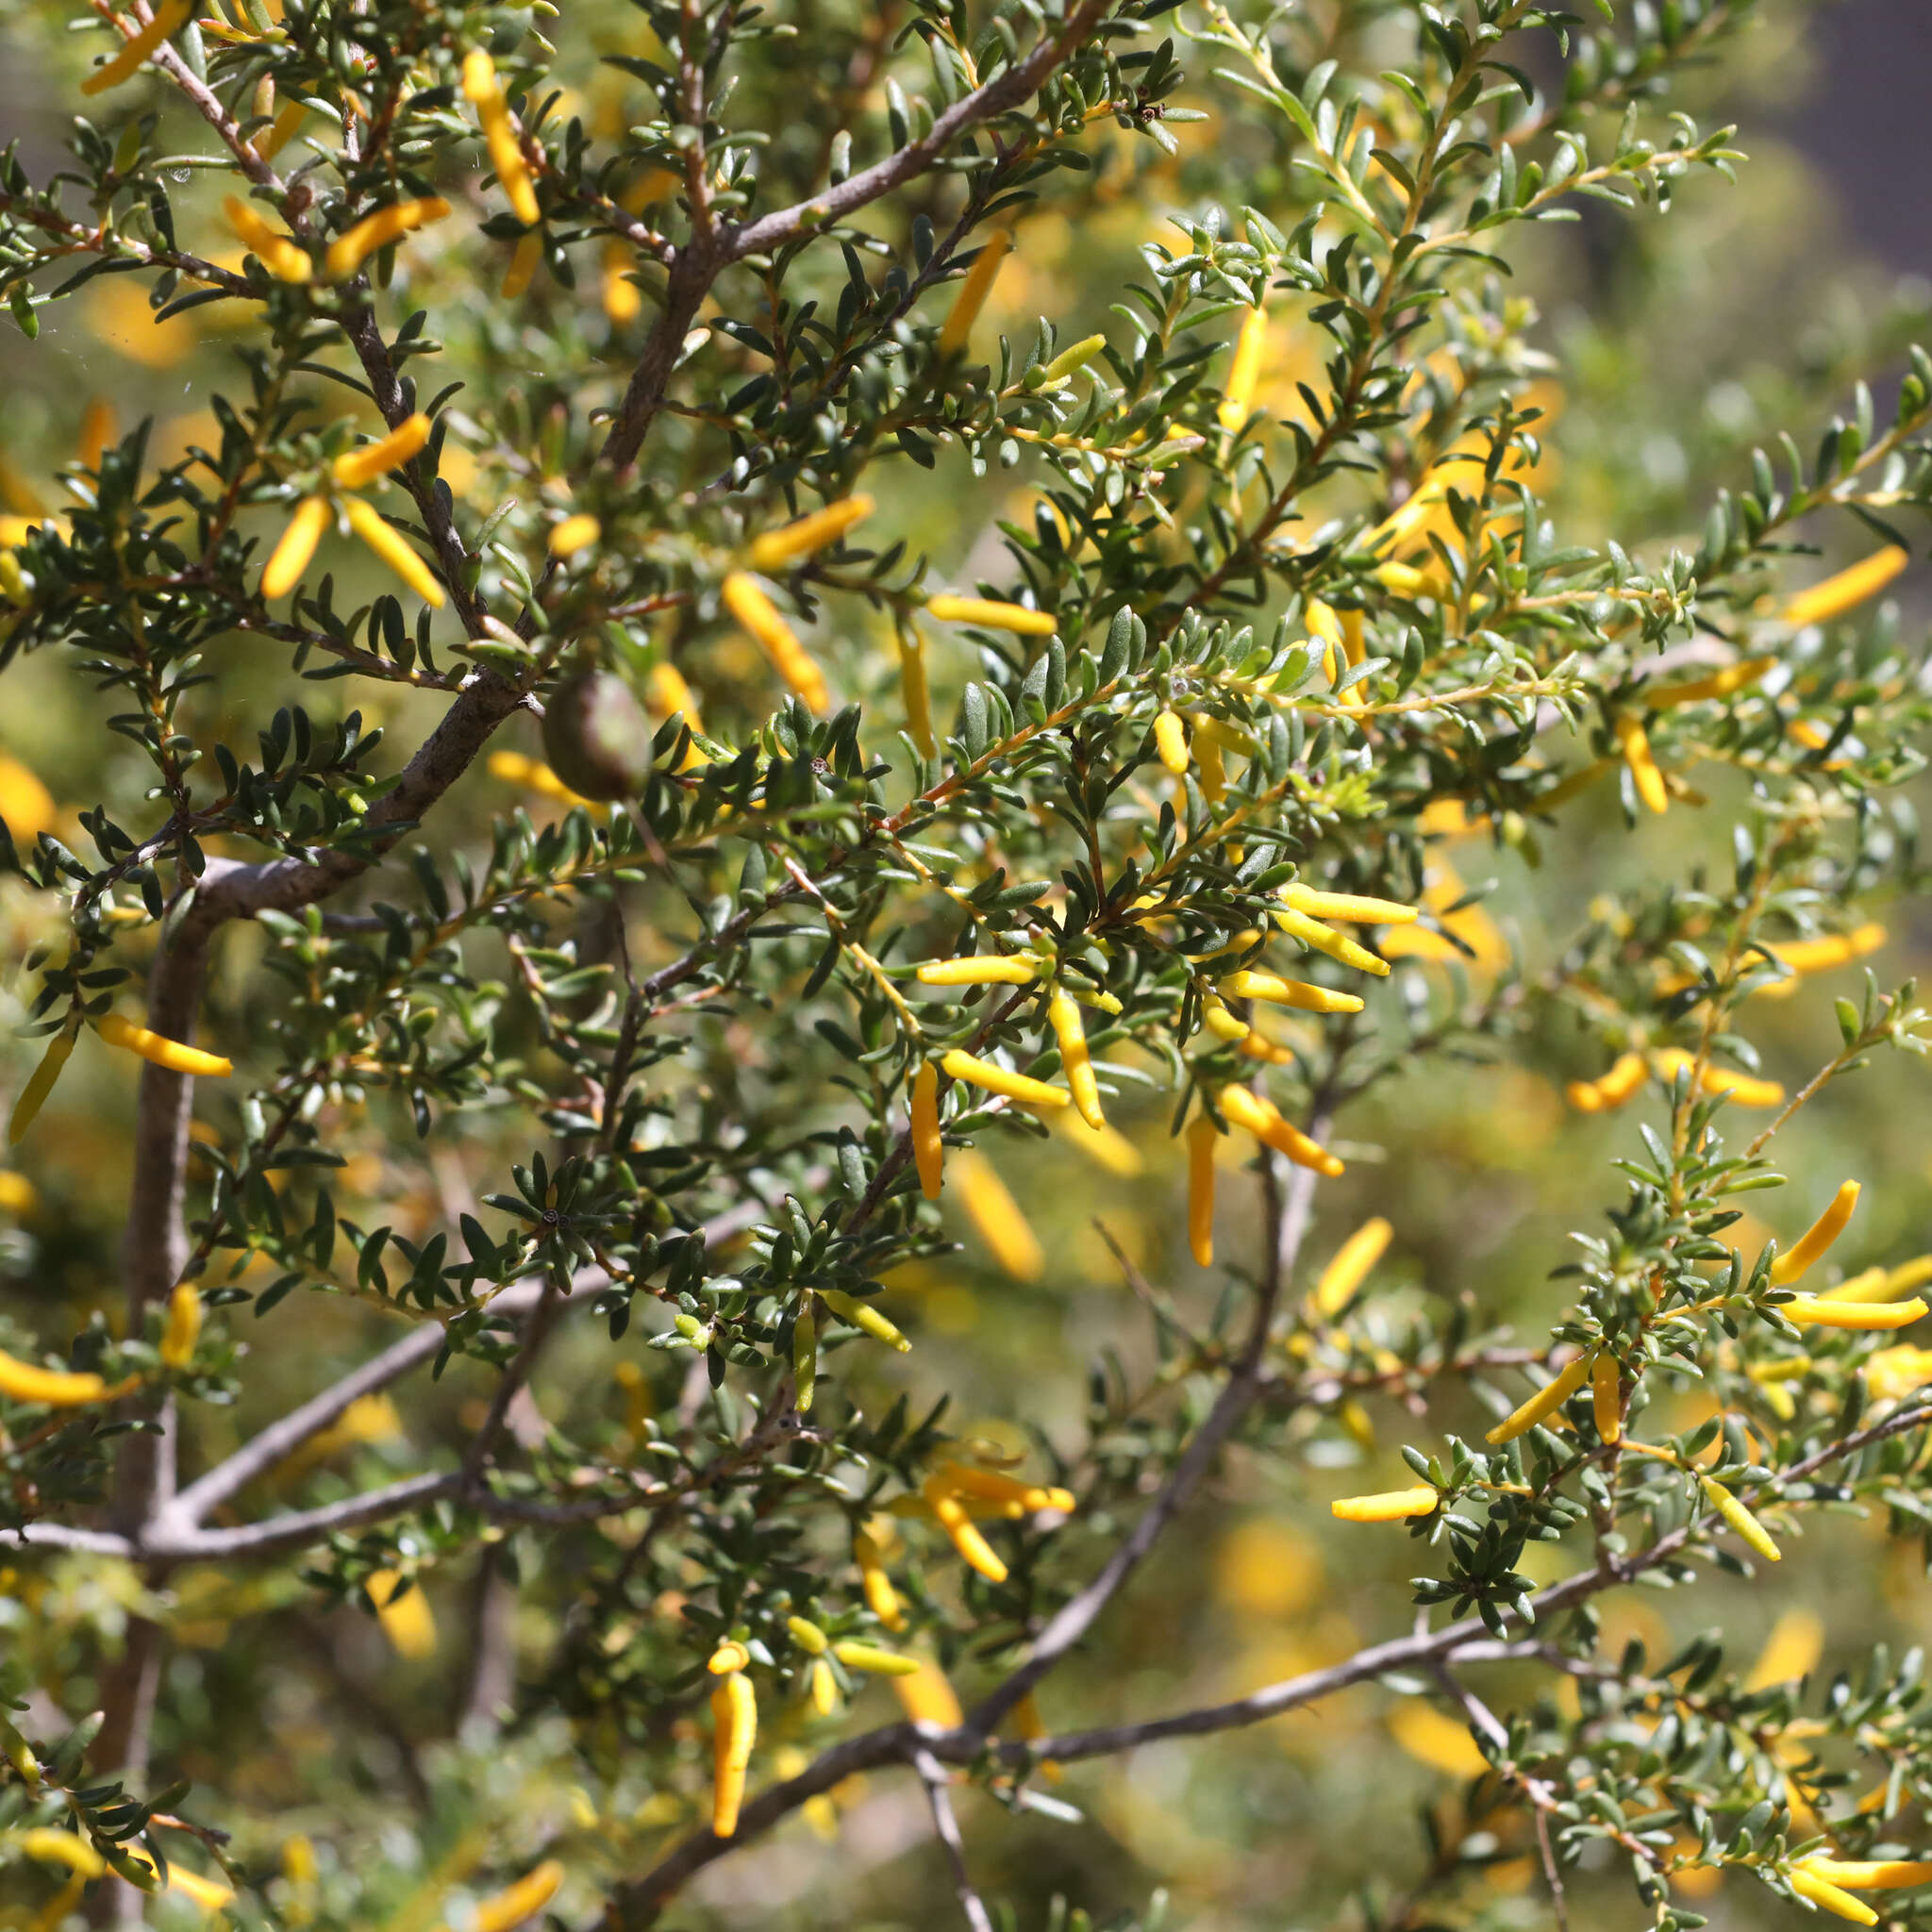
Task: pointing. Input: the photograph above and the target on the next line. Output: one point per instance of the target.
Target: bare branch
(304, 1525)
(542, 1318)
(287, 1434)
(232, 890)
(932, 1774)
(1003, 91)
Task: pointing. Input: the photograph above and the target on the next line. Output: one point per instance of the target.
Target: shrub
(548, 1140)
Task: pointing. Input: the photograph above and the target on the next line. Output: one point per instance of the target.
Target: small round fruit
(596, 737)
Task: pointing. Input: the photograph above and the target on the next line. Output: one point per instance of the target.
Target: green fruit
(596, 737)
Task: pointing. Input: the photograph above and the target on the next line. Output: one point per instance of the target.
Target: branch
(932, 1775)
(1004, 92)
(542, 1318)
(304, 1525)
(60, 1536)
(704, 257)
(638, 1902)
(232, 890)
(287, 1434)
(1075, 1618)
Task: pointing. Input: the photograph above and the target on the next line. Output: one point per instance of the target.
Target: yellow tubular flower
(929, 1148)
(1808, 1883)
(666, 694)
(1791, 1652)
(1820, 1311)
(1016, 617)
(756, 612)
(1846, 589)
(355, 245)
(513, 768)
(873, 1661)
(170, 18)
(1832, 949)
(1263, 1120)
(184, 1326)
(728, 1657)
(406, 1618)
(291, 556)
(1742, 1087)
(1720, 684)
(996, 1485)
(1350, 909)
(358, 468)
(1063, 1016)
(805, 1356)
(1202, 1135)
(523, 259)
(1245, 370)
(55, 1848)
(1634, 742)
(1613, 1089)
(864, 1316)
(808, 1635)
(368, 524)
(881, 1599)
(1739, 1518)
(1350, 1268)
(964, 1533)
(528, 1896)
(481, 90)
(1746, 1090)
(278, 135)
(773, 549)
(914, 693)
(96, 432)
(574, 534)
(170, 1054)
(988, 969)
(1874, 1874)
(33, 1097)
(1247, 984)
(1171, 742)
(1545, 1402)
(1222, 1024)
(1810, 1245)
(996, 1215)
(973, 290)
(1209, 767)
(963, 1066)
(926, 1697)
(735, 1727)
(1607, 1396)
(54, 1387)
(281, 257)
(623, 302)
(1388, 1505)
(1337, 946)
(1109, 1148)
(824, 1689)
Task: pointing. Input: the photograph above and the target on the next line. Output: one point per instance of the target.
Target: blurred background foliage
(332, 1745)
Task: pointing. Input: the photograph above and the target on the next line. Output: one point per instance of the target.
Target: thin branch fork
(932, 1775)
(710, 252)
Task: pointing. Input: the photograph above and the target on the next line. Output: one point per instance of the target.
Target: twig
(932, 1775)
(1075, 1619)
(287, 1434)
(699, 264)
